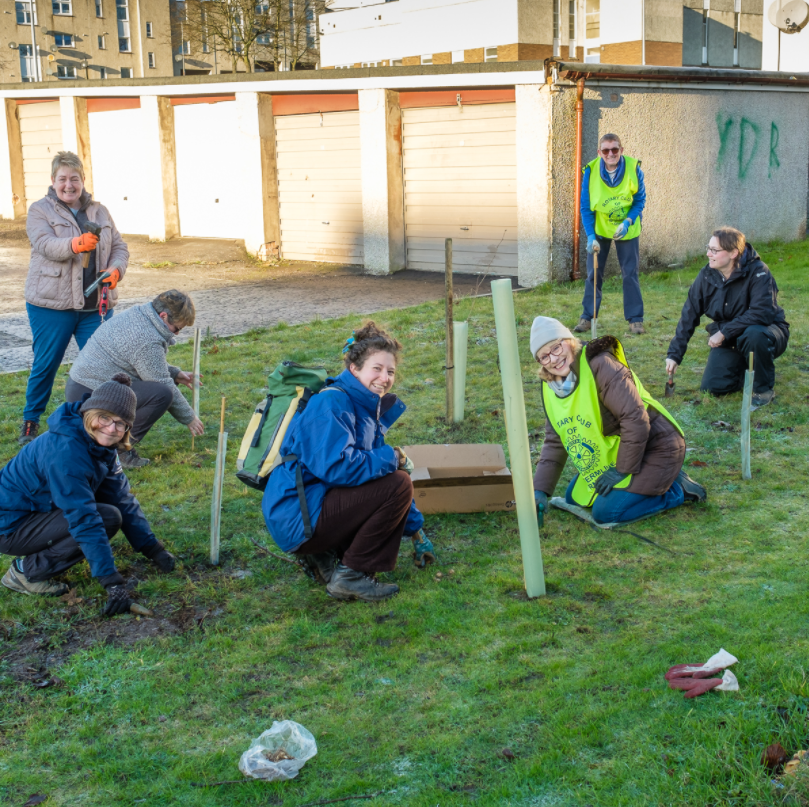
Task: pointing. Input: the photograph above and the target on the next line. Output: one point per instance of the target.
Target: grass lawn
(419, 697)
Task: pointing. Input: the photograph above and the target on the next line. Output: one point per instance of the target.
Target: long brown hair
(91, 415)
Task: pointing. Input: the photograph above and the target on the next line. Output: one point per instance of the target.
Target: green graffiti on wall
(749, 141)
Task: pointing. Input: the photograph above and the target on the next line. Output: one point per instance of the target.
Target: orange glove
(84, 243)
(112, 280)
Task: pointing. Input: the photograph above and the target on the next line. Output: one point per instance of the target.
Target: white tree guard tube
(461, 334)
(517, 431)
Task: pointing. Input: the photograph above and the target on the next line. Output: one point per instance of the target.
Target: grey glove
(118, 601)
(608, 480)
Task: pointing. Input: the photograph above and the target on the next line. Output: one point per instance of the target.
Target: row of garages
(459, 165)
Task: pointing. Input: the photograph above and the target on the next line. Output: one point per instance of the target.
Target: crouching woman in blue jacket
(65, 495)
(342, 499)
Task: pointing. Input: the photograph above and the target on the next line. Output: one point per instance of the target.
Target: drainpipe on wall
(576, 274)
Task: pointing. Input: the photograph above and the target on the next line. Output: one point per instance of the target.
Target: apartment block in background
(713, 33)
(84, 39)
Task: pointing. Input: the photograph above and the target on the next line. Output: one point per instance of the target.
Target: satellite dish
(12, 45)
(791, 17)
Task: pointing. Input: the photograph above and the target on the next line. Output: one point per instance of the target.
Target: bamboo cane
(219, 478)
(197, 340)
(517, 431)
(450, 370)
(461, 334)
(747, 402)
(594, 323)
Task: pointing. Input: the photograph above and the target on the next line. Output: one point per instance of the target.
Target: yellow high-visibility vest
(611, 205)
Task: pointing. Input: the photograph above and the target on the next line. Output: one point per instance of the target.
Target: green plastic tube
(461, 333)
(517, 431)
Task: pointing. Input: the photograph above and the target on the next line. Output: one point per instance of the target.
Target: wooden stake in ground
(218, 481)
(450, 365)
(197, 341)
(594, 323)
(747, 402)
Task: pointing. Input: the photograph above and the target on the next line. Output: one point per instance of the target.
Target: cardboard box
(461, 478)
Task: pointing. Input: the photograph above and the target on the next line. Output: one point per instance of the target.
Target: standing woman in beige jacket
(54, 291)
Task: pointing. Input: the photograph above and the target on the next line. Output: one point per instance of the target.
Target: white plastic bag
(288, 736)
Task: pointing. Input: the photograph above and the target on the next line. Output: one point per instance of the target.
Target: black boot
(347, 584)
(29, 430)
(320, 567)
(131, 458)
(694, 492)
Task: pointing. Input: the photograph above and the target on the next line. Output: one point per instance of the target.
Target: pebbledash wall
(378, 166)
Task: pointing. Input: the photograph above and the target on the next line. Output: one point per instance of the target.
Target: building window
(592, 19)
(457, 56)
(371, 64)
(126, 72)
(262, 9)
(62, 9)
(263, 39)
(27, 67)
(428, 59)
(490, 54)
(102, 72)
(63, 40)
(122, 12)
(705, 14)
(149, 32)
(102, 43)
(557, 27)
(99, 9)
(571, 19)
(186, 47)
(395, 62)
(151, 60)
(66, 71)
(24, 13)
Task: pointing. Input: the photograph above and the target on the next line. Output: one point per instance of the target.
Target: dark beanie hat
(115, 396)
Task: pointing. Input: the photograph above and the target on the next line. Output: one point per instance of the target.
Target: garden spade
(670, 386)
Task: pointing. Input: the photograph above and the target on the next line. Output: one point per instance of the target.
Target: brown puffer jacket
(651, 449)
(55, 273)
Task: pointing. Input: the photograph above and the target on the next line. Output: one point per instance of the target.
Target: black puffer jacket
(749, 297)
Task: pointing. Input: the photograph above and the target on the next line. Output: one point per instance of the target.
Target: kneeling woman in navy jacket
(65, 495)
(342, 498)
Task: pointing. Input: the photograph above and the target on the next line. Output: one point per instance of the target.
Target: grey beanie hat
(115, 396)
(547, 329)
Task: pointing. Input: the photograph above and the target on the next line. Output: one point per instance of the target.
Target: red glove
(113, 279)
(679, 671)
(695, 686)
(84, 243)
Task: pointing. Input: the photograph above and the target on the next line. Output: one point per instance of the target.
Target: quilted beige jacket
(55, 272)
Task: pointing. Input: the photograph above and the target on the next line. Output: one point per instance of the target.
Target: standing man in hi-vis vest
(613, 196)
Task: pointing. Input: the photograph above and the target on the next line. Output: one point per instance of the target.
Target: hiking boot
(320, 567)
(692, 490)
(636, 328)
(762, 399)
(131, 459)
(346, 584)
(17, 581)
(29, 430)
(584, 326)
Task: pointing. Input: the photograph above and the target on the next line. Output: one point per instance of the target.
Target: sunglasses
(611, 151)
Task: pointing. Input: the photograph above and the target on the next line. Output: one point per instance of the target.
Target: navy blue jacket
(340, 442)
(588, 217)
(66, 469)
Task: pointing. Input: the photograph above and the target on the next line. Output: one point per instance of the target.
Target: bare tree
(268, 34)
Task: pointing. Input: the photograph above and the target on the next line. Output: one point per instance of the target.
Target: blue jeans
(52, 330)
(629, 260)
(621, 506)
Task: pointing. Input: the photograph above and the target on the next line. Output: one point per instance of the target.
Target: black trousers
(724, 372)
(364, 525)
(44, 540)
(154, 399)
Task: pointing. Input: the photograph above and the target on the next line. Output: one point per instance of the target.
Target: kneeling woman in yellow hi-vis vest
(627, 449)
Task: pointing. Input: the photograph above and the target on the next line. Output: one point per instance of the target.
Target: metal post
(747, 402)
(448, 328)
(517, 431)
(37, 66)
(594, 323)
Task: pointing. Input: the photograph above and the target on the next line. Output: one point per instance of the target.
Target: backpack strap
(257, 434)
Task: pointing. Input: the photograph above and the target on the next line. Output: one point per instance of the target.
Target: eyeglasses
(105, 422)
(714, 250)
(554, 351)
(611, 151)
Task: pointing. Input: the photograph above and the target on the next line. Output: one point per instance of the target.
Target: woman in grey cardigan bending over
(136, 342)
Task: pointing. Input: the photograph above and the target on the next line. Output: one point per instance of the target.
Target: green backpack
(290, 387)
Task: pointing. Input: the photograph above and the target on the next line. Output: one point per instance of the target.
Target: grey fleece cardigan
(134, 342)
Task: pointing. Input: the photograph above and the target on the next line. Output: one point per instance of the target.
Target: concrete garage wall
(710, 157)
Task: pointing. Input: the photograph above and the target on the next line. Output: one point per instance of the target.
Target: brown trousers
(364, 524)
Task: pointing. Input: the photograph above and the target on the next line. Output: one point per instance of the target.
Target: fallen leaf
(801, 758)
(277, 756)
(699, 464)
(773, 756)
(37, 798)
(507, 753)
(70, 598)
(162, 718)
(721, 424)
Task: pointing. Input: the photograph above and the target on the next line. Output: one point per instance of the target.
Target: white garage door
(41, 135)
(207, 139)
(320, 187)
(117, 141)
(460, 182)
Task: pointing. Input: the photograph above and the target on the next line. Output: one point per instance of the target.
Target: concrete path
(231, 293)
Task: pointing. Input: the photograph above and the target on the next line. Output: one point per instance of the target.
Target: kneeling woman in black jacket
(65, 495)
